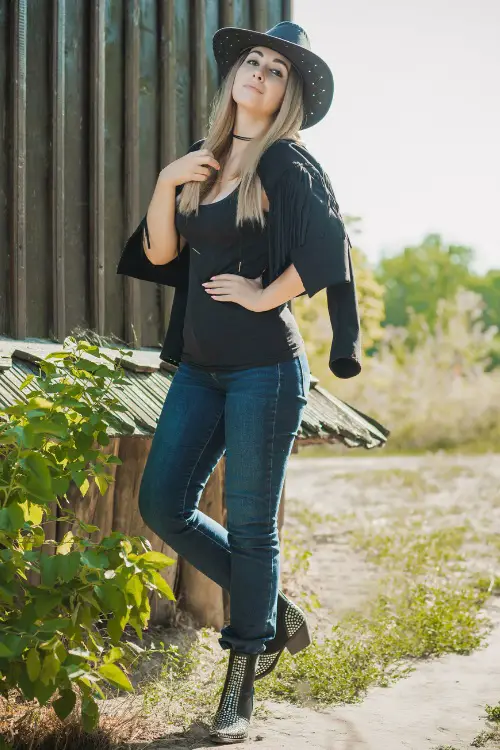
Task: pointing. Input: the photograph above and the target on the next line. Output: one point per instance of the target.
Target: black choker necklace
(242, 137)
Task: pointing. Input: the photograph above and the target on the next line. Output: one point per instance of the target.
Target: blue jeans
(253, 417)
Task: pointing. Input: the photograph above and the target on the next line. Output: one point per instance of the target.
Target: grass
(380, 645)
(492, 733)
(474, 447)
(428, 603)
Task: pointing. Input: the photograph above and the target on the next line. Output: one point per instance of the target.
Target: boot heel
(299, 640)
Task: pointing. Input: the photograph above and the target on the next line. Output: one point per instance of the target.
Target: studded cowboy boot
(291, 633)
(232, 718)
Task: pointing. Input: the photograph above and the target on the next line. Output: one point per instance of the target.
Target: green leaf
(5, 652)
(44, 691)
(37, 469)
(68, 565)
(113, 674)
(90, 714)
(15, 642)
(7, 593)
(27, 380)
(113, 460)
(50, 668)
(112, 598)
(65, 544)
(64, 705)
(83, 441)
(39, 403)
(135, 588)
(115, 627)
(48, 569)
(101, 484)
(156, 559)
(83, 653)
(12, 517)
(74, 671)
(33, 664)
(113, 655)
(51, 427)
(162, 585)
(56, 624)
(59, 566)
(32, 512)
(45, 602)
(60, 485)
(95, 559)
(89, 528)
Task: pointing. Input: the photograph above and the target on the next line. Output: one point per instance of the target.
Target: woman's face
(261, 80)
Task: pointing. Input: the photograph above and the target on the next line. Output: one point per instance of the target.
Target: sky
(412, 140)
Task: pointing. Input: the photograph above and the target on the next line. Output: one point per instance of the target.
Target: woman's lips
(251, 86)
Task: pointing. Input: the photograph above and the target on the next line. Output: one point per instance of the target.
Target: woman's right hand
(193, 167)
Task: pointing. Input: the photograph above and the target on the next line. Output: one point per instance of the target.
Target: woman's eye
(273, 70)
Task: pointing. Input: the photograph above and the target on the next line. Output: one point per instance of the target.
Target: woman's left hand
(229, 287)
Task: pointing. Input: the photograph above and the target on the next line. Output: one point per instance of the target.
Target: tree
(420, 276)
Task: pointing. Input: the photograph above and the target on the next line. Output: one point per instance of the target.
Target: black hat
(292, 41)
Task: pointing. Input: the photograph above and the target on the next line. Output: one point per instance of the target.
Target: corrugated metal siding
(326, 418)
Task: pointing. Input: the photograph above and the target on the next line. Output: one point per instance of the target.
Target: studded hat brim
(229, 42)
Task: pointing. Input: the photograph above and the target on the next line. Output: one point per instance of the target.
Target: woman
(240, 225)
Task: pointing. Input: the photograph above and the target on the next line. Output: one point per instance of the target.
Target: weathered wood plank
(18, 322)
(212, 23)
(274, 12)
(168, 120)
(260, 15)
(58, 167)
(199, 98)
(184, 134)
(132, 290)
(97, 156)
(6, 134)
(114, 205)
(287, 10)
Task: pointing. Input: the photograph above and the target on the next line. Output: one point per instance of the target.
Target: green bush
(62, 638)
(438, 393)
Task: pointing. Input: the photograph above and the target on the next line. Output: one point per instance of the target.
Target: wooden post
(197, 593)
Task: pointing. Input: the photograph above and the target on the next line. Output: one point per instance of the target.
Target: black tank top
(225, 335)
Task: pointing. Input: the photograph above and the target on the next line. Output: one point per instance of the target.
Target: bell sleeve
(135, 263)
(307, 229)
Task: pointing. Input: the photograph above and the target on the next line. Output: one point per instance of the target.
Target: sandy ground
(442, 702)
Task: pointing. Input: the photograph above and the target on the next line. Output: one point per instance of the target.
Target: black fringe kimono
(305, 228)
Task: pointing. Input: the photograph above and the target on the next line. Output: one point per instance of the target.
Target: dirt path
(442, 702)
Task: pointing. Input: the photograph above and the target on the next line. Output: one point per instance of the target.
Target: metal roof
(326, 418)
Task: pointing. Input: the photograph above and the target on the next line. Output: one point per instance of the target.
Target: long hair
(286, 124)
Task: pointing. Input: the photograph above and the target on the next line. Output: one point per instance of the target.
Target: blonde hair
(286, 124)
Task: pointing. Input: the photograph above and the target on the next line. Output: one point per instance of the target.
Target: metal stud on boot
(232, 718)
(291, 633)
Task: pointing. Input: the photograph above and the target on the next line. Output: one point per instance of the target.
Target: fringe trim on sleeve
(288, 216)
(289, 212)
